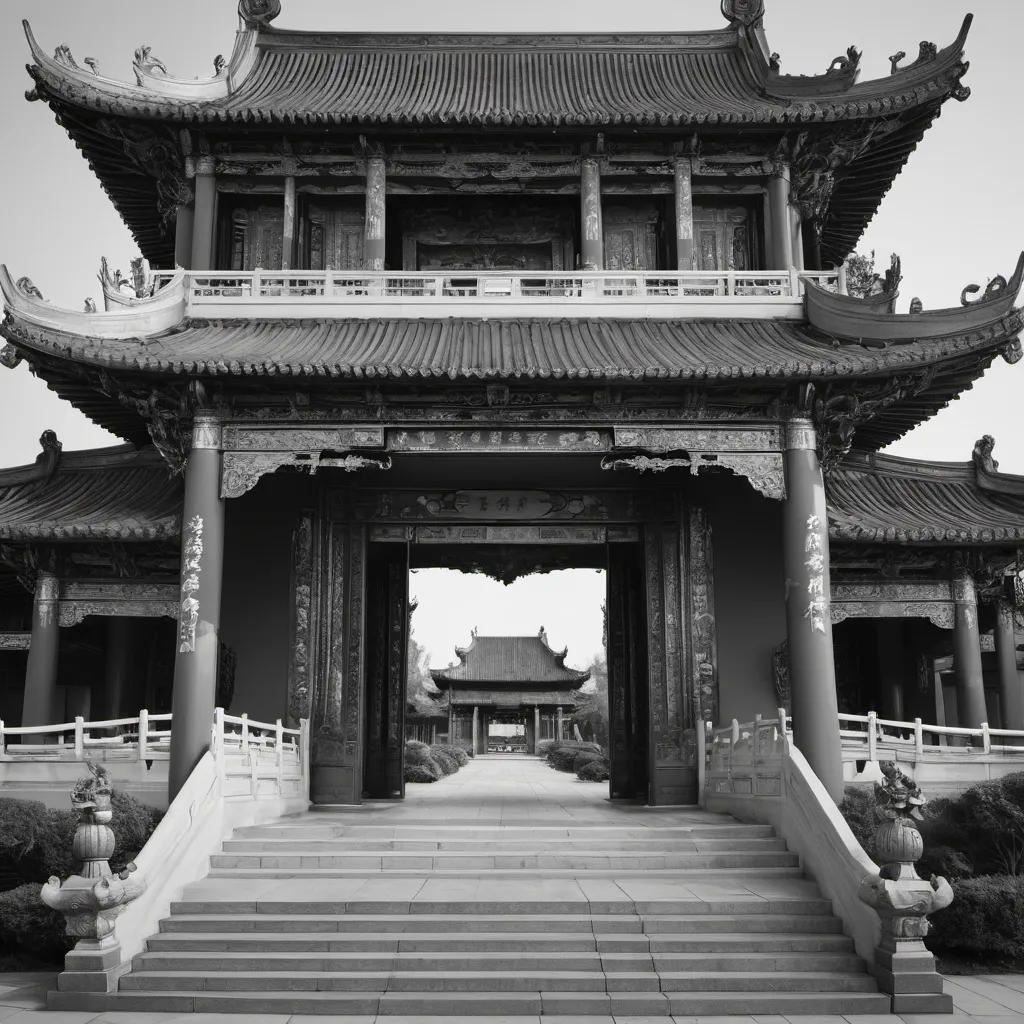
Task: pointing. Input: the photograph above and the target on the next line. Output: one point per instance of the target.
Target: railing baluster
(986, 738)
(872, 737)
(79, 738)
(918, 737)
(279, 741)
(245, 732)
(143, 744)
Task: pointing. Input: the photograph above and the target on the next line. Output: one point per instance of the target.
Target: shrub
(544, 747)
(858, 808)
(419, 773)
(986, 918)
(594, 771)
(445, 761)
(459, 753)
(562, 758)
(28, 926)
(584, 757)
(417, 755)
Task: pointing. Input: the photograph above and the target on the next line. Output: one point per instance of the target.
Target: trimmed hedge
(986, 918)
(445, 761)
(595, 771)
(29, 927)
(585, 757)
(428, 764)
(562, 754)
(419, 773)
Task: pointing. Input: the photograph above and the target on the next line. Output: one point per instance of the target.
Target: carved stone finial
(993, 290)
(775, 62)
(982, 454)
(747, 13)
(258, 13)
(24, 284)
(846, 63)
(916, 305)
(50, 443)
(92, 64)
(894, 61)
(9, 357)
(62, 55)
(927, 51)
(219, 64)
(1012, 351)
(90, 305)
(145, 64)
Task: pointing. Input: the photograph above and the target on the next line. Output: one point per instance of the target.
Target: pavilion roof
(515, 699)
(696, 352)
(509, 661)
(290, 81)
(882, 498)
(116, 494)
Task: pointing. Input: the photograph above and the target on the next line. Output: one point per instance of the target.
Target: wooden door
(387, 630)
(630, 237)
(722, 238)
(257, 237)
(334, 237)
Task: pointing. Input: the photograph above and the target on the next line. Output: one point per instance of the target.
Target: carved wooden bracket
(241, 471)
(134, 600)
(896, 600)
(764, 471)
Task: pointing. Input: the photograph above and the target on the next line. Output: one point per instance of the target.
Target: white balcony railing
(659, 293)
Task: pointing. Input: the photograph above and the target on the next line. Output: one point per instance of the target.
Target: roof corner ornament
(51, 451)
(62, 55)
(26, 286)
(846, 65)
(145, 65)
(92, 64)
(775, 62)
(748, 13)
(1012, 351)
(258, 13)
(219, 65)
(982, 454)
(993, 290)
(894, 61)
(10, 357)
(90, 305)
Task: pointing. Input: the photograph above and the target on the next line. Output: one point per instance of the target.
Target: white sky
(955, 214)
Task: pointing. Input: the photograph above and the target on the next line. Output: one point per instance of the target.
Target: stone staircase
(634, 912)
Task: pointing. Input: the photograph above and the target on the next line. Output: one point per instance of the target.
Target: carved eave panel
(932, 600)
(80, 598)
(753, 452)
(15, 640)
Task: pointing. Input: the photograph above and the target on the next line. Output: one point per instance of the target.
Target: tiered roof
(512, 662)
(359, 83)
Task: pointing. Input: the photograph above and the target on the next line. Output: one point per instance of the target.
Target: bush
(986, 918)
(562, 758)
(584, 757)
(445, 761)
(544, 747)
(28, 926)
(417, 755)
(594, 771)
(459, 753)
(858, 808)
(419, 773)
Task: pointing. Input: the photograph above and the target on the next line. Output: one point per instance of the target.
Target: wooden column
(1011, 693)
(536, 727)
(451, 720)
(890, 668)
(781, 228)
(205, 218)
(184, 220)
(39, 705)
(591, 222)
(117, 681)
(797, 237)
(376, 196)
(970, 681)
(290, 221)
(560, 723)
(202, 559)
(808, 621)
(684, 213)
(476, 729)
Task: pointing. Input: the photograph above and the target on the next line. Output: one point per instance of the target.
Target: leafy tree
(860, 274)
(418, 685)
(591, 713)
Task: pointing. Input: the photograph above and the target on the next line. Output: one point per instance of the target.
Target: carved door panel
(387, 631)
(722, 238)
(630, 238)
(257, 238)
(627, 676)
(335, 237)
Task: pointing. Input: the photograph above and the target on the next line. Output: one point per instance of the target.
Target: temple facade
(516, 681)
(506, 304)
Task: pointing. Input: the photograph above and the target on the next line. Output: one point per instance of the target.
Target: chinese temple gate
(511, 680)
(507, 304)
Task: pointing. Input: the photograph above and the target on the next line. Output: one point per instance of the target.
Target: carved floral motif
(299, 696)
(191, 567)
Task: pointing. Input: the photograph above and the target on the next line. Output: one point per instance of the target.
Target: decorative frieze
(18, 640)
(80, 598)
(241, 471)
(483, 440)
(510, 534)
(301, 439)
(730, 438)
(764, 471)
(932, 600)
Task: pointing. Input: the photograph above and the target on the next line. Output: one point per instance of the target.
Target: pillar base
(94, 965)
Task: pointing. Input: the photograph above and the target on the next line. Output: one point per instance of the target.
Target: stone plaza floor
(510, 790)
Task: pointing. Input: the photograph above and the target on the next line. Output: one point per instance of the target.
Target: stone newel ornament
(903, 900)
(92, 900)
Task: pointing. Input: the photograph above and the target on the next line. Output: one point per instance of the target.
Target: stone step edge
(485, 873)
(724, 916)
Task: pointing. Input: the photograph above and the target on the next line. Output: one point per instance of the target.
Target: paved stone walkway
(513, 791)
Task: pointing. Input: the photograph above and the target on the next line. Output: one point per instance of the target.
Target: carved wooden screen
(723, 238)
(630, 237)
(387, 629)
(257, 237)
(333, 236)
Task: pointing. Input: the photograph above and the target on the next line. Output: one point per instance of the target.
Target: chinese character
(521, 504)
(503, 504)
(816, 563)
(484, 504)
(816, 586)
(813, 523)
(813, 542)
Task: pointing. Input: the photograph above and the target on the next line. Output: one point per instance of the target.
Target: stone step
(451, 832)
(495, 981)
(561, 923)
(552, 872)
(624, 847)
(233, 945)
(453, 1004)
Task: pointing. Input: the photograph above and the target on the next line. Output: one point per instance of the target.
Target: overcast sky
(955, 214)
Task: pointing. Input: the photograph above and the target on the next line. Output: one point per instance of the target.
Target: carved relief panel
(257, 237)
(630, 239)
(723, 238)
(333, 237)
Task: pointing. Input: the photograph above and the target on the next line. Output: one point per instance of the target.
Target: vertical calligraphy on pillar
(191, 567)
(703, 634)
(817, 601)
(376, 197)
